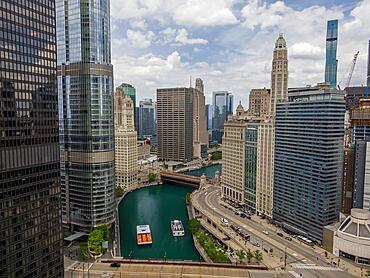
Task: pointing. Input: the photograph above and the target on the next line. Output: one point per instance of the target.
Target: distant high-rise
(331, 53)
(86, 120)
(126, 152)
(131, 91)
(368, 67)
(259, 102)
(147, 125)
(265, 143)
(223, 105)
(209, 115)
(175, 124)
(30, 209)
(200, 135)
(309, 136)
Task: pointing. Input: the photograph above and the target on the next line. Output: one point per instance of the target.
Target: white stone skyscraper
(266, 134)
(126, 153)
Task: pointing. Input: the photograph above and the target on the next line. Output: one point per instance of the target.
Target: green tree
(188, 197)
(152, 177)
(194, 225)
(84, 252)
(258, 256)
(249, 255)
(96, 238)
(241, 255)
(119, 191)
(216, 155)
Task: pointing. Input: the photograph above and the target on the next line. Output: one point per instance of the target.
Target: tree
(188, 197)
(241, 255)
(249, 255)
(96, 238)
(258, 256)
(84, 253)
(119, 191)
(216, 155)
(152, 177)
(194, 225)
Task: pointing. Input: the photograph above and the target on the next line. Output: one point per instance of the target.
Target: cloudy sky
(229, 43)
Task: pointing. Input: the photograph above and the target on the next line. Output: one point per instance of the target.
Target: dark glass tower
(331, 53)
(85, 87)
(30, 211)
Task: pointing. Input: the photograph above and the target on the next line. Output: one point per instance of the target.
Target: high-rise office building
(259, 102)
(265, 137)
(209, 115)
(30, 209)
(131, 91)
(147, 124)
(361, 181)
(126, 152)
(239, 159)
(223, 105)
(175, 124)
(309, 160)
(86, 120)
(200, 135)
(331, 53)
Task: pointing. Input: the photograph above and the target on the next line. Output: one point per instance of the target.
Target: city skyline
(232, 54)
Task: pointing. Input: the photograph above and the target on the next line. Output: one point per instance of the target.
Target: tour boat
(143, 235)
(177, 228)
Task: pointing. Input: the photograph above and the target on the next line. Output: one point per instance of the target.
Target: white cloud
(138, 24)
(182, 37)
(140, 39)
(305, 50)
(188, 12)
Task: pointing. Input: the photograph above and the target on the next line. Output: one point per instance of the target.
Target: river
(157, 206)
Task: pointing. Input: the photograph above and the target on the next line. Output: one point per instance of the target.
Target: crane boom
(352, 69)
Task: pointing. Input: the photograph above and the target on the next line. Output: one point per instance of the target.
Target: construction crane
(352, 68)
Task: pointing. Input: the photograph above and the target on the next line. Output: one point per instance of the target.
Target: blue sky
(229, 43)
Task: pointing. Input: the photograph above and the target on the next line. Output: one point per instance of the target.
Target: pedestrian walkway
(315, 267)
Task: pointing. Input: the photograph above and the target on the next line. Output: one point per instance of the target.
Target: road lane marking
(295, 274)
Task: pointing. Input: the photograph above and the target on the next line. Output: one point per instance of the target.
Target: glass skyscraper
(86, 120)
(223, 104)
(331, 53)
(147, 125)
(309, 160)
(30, 208)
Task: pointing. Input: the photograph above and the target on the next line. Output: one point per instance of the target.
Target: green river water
(157, 206)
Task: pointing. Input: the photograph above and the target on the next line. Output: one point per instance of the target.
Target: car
(224, 222)
(280, 234)
(265, 232)
(256, 244)
(243, 215)
(115, 264)
(288, 238)
(236, 213)
(226, 238)
(248, 216)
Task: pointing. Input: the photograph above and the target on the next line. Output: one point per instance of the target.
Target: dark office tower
(86, 120)
(147, 126)
(308, 160)
(331, 53)
(175, 124)
(30, 210)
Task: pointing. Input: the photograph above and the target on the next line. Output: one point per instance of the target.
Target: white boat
(177, 228)
(143, 235)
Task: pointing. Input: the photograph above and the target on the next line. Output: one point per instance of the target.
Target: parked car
(280, 234)
(115, 264)
(265, 232)
(224, 222)
(248, 216)
(243, 215)
(288, 238)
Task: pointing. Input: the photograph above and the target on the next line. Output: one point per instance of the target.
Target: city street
(301, 258)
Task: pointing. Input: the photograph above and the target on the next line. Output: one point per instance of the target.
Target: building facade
(30, 208)
(209, 115)
(200, 134)
(223, 105)
(147, 122)
(175, 124)
(309, 136)
(259, 102)
(265, 144)
(348, 179)
(86, 120)
(331, 53)
(126, 149)
(131, 91)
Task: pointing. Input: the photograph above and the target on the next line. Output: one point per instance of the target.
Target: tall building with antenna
(331, 64)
